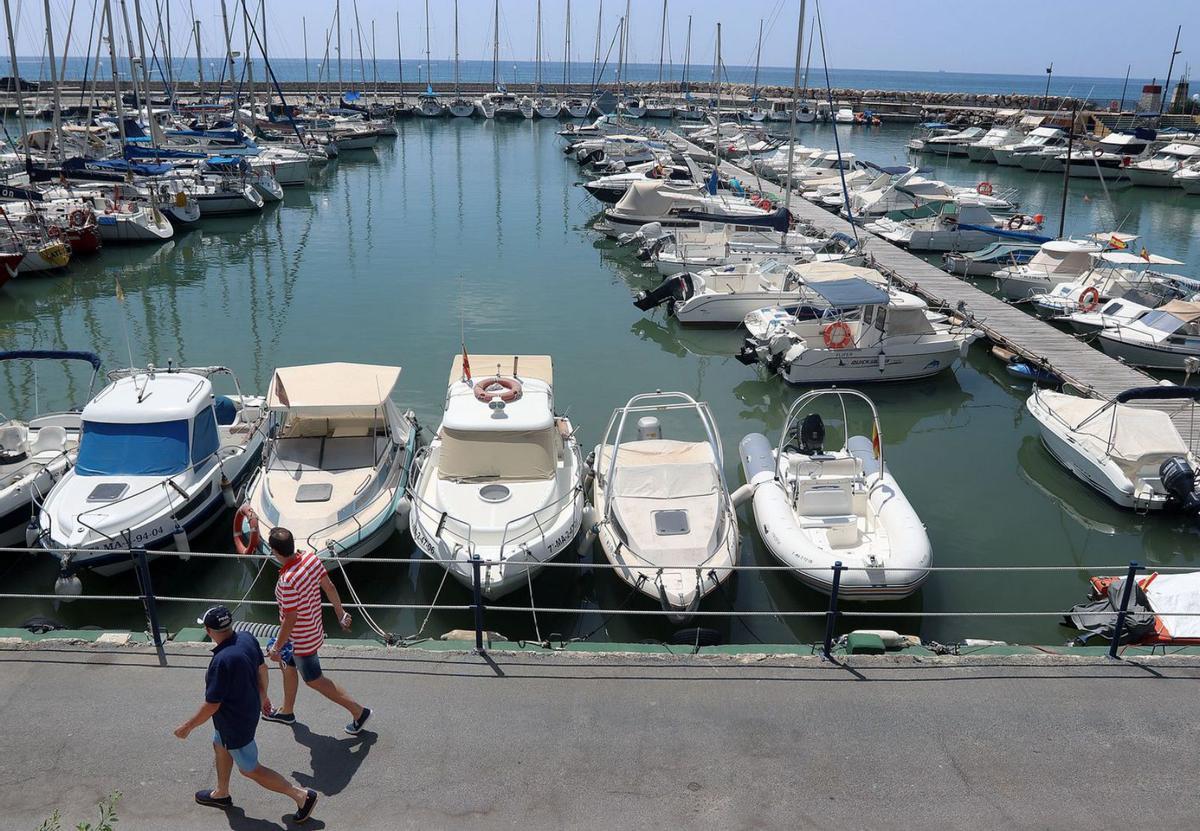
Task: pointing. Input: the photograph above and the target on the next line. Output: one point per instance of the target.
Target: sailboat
(689, 110)
(459, 107)
(545, 106)
(629, 105)
(573, 105)
(755, 111)
(659, 106)
(428, 105)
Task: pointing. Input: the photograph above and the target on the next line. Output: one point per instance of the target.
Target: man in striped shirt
(302, 578)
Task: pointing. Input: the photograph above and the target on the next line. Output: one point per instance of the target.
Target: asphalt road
(555, 741)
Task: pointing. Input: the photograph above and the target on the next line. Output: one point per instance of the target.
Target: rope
(429, 613)
(387, 637)
(533, 605)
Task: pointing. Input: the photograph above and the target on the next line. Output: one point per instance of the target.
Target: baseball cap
(217, 617)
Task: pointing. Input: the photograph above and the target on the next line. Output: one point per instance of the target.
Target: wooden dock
(1085, 368)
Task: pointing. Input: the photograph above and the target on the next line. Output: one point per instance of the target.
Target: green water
(383, 256)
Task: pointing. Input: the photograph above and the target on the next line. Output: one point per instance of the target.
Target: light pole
(1049, 73)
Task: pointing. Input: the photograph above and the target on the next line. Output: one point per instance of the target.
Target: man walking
(302, 578)
(235, 691)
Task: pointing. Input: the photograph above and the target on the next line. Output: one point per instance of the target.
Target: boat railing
(478, 607)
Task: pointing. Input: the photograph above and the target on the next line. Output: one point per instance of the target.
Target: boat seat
(824, 468)
(51, 441)
(12, 439)
(832, 500)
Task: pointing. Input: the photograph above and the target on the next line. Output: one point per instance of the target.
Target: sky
(1082, 37)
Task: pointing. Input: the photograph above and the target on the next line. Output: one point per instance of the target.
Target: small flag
(1118, 244)
(876, 448)
(120, 293)
(466, 362)
(281, 393)
(1145, 255)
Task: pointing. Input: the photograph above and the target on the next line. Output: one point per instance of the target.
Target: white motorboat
(1129, 452)
(1117, 312)
(724, 296)
(1038, 140)
(1188, 178)
(160, 456)
(653, 201)
(909, 192)
(986, 260)
(957, 226)
(35, 454)
(1116, 275)
(1159, 170)
(335, 466)
(844, 115)
(609, 189)
(949, 144)
(685, 250)
(867, 334)
(665, 518)
(1164, 338)
(1109, 158)
(1056, 262)
(502, 480)
(983, 149)
(815, 507)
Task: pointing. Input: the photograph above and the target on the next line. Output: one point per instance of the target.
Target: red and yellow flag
(1118, 244)
(876, 449)
(1145, 255)
(466, 362)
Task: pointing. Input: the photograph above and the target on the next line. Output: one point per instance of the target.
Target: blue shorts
(245, 757)
(309, 666)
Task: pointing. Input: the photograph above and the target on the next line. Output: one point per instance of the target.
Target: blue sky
(1082, 37)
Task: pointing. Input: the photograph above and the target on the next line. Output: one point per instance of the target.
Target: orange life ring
(844, 335)
(497, 389)
(245, 545)
(984, 188)
(78, 218)
(1089, 299)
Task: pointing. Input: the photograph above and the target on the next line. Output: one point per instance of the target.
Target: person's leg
(247, 762)
(291, 683)
(309, 667)
(224, 768)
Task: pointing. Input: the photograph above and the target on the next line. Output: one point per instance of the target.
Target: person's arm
(264, 681)
(206, 711)
(285, 634)
(344, 619)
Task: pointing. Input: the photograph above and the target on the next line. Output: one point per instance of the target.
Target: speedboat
(1130, 453)
(335, 466)
(868, 333)
(35, 454)
(1038, 140)
(1057, 261)
(844, 115)
(986, 260)
(654, 201)
(1116, 275)
(1164, 338)
(1110, 157)
(982, 150)
(1159, 170)
(502, 480)
(160, 456)
(957, 226)
(950, 144)
(665, 518)
(816, 507)
(1188, 178)
(909, 192)
(686, 250)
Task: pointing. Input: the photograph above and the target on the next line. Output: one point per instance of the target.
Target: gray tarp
(1099, 617)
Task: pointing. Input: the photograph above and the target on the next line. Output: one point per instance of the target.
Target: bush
(108, 817)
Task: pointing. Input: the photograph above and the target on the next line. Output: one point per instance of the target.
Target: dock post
(477, 604)
(1126, 593)
(146, 589)
(831, 615)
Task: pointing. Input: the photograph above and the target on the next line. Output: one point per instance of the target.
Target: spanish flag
(1145, 255)
(1118, 244)
(876, 449)
(466, 362)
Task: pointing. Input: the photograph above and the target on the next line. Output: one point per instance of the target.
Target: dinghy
(816, 507)
(664, 515)
(336, 462)
(160, 455)
(1132, 454)
(502, 481)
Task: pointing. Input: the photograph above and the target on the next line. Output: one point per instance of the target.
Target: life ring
(1015, 221)
(497, 389)
(247, 545)
(984, 188)
(1089, 299)
(54, 231)
(842, 330)
(78, 218)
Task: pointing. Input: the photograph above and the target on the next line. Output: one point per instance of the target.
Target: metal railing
(479, 607)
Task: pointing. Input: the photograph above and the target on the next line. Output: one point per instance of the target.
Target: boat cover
(1099, 617)
(649, 198)
(850, 292)
(537, 367)
(508, 455)
(335, 389)
(1141, 436)
(1182, 309)
(779, 219)
(818, 272)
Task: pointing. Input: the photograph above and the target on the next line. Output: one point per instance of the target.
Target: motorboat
(35, 453)
(724, 296)
(502, 479)
(1110, 157)
(609, 189)
(868, 333)
(1164, 338)
(1116, 275)
(983, 149)
(844, 115)
(693, 250)
(957, 226)
(160, 456)
(949, 144)
(1159, 170)
(1188, 178)
(989, 258)
(1056, 262)
(910, 192)
(816, 507)
(1129, 451)
(336, 462)
(1118, 312)
(927, 130)
(1038, 140)
(646, 202)
(664, 515)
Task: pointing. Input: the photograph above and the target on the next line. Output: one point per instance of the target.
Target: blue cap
(217, 618)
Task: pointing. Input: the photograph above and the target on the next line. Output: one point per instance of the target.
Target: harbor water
(466, 230)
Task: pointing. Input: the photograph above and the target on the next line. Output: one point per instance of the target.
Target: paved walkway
(611, 742)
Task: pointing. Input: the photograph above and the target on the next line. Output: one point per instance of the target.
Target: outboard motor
(675, 289)
(810, 438)
(1179, 480)
(748, 354)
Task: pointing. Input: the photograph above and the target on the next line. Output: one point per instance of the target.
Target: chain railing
(479, 607)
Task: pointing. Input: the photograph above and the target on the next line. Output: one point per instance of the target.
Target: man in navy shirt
(235, 693)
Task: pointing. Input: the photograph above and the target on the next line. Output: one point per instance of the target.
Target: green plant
(108, 817)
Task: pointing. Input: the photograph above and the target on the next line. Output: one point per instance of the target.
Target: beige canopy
(817, 272)
(334, 389)
(537, 367)
(1182, 309)
(1134, 437)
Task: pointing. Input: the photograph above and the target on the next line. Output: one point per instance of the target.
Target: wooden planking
(1087, 369)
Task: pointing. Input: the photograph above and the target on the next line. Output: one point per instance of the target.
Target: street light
(1049, 72)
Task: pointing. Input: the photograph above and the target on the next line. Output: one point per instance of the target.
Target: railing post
(1126, 593)
(146, 588)
(477, 604)
(831, 615)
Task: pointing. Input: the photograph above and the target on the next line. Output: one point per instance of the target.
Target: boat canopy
(1159, 393)
(148, 449)
(1129, 258)
(649, 198)
(779, 219)
(342, 390)
(850, 292)
(1064, 256)
(816, 272)
(1182, 309)
(52, 355)
(486, 454)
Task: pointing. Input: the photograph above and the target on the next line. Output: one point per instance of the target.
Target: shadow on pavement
(238, 821)
(334, 760)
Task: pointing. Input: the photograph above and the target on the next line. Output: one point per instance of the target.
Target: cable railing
(479, 608)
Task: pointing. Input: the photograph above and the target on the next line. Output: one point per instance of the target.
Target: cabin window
(156, 449)
(1162, 321)
(1111, 309)
(204, 436)
(491, 454)
(881, 318)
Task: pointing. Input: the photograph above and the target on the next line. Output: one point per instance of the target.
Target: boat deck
(1087, 369)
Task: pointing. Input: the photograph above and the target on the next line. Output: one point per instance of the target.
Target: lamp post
(1049, 73)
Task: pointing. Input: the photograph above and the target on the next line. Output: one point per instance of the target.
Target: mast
(496, 48)
(537, 45)
(1170, 68)
(62, 72)
(662, 40)
(717, 68)
(249, 62)
(141, 43)
(112, 61)
(374, 63)
(399, 57)
(456, 76)
(1062, 217)
(428, 63)
(567, 51)
(337, 21)
(596, 59)
(166, 39)
(133, 79)
(362, 66)
(199, 61)
(227, 33)
(687, 55)
(624, 44)
(757, 59)
(53, 83)
(304, 36)
(787, 192)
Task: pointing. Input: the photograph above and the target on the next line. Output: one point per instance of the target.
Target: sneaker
(307, 808)
(206, 798)
(282, 718)
(355, 727)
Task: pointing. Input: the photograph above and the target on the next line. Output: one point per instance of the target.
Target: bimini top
(1129, 258)
(823, 272)
(147, 398)
(334, 389)
(850, 292)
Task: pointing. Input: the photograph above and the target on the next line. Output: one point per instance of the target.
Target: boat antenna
(120, 294)
(836, 142)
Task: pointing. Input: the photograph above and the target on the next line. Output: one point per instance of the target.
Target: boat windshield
(1161, 321)
(148, 449)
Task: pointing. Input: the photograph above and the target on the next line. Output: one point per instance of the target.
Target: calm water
(380, 257)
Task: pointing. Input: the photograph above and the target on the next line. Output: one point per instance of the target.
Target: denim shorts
(308, 665)
(245, 757)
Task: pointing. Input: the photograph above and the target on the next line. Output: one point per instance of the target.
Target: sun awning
(334, 389)
(1128, 258)
(850, 292)
(1182, 309)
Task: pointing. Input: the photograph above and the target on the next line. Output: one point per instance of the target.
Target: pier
(1086, 369)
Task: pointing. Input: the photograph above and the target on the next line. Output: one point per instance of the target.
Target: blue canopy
(154, 449)
(135, 151)
(1005, 233)
(351, 96)
(227, 163)
(850, 292)
(1158, 394)
(777, 220)
(713, 181)
(115, 166)
(52, 355)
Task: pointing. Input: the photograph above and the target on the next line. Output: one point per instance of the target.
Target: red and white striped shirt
(298, 590)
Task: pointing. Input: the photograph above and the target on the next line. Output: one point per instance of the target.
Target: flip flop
(306, 810)
(206, 798)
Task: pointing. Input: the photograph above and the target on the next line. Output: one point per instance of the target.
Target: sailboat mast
(53, 82)
(112, 61)
(757, 60)
(249, 62)
(687, 55)
(199, 62)
(1170, 68)
(337, 18)
(399, 56)
(567, 51)
(456, 47)
(133, 75)
(228, 62)
(662, 40)
(141, 45)
(787, 191)
(428, 62)
(304, 37)
(496, 48)
(625, 44)
(362, 66)
(596, 59)
(374, 63)
(537, 41)
(717, 68)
